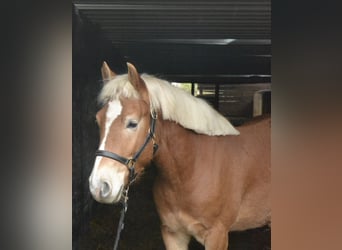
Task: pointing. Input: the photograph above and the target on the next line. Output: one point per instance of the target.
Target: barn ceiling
(197, 40)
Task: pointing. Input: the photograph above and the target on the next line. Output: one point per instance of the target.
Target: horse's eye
(132, 124)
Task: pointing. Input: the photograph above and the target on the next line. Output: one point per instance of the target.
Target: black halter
(130, 163)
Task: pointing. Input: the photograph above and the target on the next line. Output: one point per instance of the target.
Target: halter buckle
(131, 163)
(154, 114)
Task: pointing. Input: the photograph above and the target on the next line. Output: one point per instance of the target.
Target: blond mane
(174, 104)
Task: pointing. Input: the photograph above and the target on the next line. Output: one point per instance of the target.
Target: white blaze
(106, 173)
(113, 111)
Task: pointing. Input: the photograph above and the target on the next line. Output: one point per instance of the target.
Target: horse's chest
(176, 220)
(175, 216)
(182, 221)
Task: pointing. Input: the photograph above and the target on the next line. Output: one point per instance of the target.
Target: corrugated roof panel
(180, 19)
(188, 37)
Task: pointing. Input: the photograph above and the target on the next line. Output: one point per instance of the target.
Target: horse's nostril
(105, 189)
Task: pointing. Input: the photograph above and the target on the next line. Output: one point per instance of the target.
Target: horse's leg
(175, 240)
(217, 239)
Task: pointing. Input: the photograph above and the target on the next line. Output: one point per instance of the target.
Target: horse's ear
(136, 81)
(107, 73)
(133, 75)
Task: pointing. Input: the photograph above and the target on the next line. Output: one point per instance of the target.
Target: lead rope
(121, 224)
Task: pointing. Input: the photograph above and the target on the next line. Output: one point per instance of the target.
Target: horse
(212, 178)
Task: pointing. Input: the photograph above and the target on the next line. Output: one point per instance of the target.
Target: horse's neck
(176, 153)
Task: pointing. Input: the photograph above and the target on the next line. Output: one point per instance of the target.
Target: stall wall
(90, 49)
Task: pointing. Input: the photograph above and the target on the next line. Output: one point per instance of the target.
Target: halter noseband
(130, 162)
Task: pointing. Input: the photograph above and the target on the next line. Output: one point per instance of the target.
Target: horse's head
(124, 122)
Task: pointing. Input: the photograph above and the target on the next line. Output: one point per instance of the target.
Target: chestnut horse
(212, 178)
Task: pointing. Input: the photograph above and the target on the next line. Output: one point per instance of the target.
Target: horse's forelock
(116, 88)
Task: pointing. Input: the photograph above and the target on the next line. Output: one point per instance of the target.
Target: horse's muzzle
(104, 191)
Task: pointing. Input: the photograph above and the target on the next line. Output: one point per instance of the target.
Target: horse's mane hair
(174, 104)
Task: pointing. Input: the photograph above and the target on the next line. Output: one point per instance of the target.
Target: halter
(130, 164)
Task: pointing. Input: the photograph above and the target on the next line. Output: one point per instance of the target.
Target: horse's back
(255, 137)
(262, 120)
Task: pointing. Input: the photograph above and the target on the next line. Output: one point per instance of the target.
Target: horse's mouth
(111, 199)
(117, 198)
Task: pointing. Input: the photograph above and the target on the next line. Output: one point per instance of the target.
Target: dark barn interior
(219, 50)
